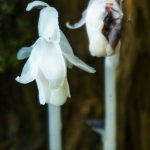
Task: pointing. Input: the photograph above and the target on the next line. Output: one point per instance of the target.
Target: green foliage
(14, 31)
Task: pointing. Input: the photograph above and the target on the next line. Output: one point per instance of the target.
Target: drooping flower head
(48, 27)
(49, 57)
(103, 24)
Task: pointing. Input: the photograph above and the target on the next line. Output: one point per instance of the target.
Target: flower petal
(48, 24)
(94, 26)
(97, 41)
(65, 46)
(79, 63)
(83, 18)
(43, 88)
(25, 52)
(29, 72)
(96, 11)
(70, 57)
(35, 4)
(59, 96)
(116, 6)
(64, 43)
(52, 63)
(78, 24)
(30, 68)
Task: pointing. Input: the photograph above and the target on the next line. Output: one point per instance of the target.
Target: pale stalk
(54, 127)
(110, 102)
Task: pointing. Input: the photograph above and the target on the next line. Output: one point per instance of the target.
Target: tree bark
(134, 78)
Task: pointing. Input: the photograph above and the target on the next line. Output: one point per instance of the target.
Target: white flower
(103, 24)
(48, 58)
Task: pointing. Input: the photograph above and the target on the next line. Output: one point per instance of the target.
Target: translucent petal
(78, 24)
(34, 4)
(59, 96)
(43, 88)
(70, 57)
(52, 63)
(79, 63)
(48, 24)
(29, 72)
(65, 47)
(30, 68)
(25, 52)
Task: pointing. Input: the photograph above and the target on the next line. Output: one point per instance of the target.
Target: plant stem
(54, 119)
(110, 102)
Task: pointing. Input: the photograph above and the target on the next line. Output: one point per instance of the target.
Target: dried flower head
(103, 20)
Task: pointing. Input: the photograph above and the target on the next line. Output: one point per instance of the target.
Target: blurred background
(23, 121)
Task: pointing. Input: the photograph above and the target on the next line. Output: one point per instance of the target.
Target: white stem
(110, 102)
(54, 119)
